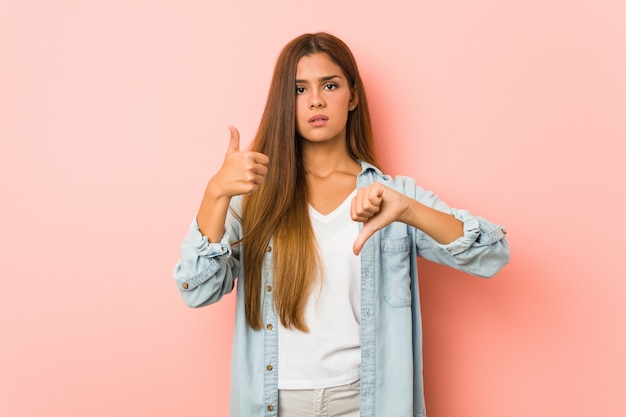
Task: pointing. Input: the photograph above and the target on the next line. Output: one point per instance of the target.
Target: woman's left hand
(376, 206)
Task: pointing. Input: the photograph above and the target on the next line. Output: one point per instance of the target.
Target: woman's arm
(443, 235)
(376, 206)
(209, 265)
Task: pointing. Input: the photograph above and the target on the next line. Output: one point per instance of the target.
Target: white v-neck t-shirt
(330, 353)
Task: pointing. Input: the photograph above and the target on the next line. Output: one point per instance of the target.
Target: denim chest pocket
(396, 271)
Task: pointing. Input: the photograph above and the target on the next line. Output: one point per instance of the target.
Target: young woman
(323, 247)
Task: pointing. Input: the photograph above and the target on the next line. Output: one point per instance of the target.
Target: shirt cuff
(201, 243)
(476, 231)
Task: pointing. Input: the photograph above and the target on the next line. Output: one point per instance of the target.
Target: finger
(356, 209)
(260, 169)
(375, 197)
(233, 145)
(259, 179)
(361, 238)
(260, 158)
(365, 205)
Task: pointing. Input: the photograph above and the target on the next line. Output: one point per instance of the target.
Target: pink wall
(113, 116)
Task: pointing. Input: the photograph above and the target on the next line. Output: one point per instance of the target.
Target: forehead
(315, 66)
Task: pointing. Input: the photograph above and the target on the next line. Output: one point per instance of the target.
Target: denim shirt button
(270, 327)
(270, 407)
(185, 285)
(269, 367)
(268, 249)
(268, 288)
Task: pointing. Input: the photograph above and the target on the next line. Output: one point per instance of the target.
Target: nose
(316, 101)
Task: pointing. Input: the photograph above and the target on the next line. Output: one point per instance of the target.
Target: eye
(330, 86)
(300, 90)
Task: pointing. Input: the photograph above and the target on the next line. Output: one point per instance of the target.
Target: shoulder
(370, 174)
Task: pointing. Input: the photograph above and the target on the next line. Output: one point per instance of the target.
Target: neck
(322, 159)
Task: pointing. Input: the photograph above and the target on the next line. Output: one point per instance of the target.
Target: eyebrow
(322, 79)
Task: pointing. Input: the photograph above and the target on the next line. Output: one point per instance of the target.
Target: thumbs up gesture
(241, 172)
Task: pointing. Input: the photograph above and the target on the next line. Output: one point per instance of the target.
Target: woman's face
(323, 99)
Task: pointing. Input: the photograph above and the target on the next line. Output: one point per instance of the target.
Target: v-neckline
(332, 214)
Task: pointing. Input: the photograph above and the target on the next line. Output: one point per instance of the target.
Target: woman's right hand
(241, 172)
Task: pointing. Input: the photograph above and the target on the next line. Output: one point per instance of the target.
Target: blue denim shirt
(391, 328)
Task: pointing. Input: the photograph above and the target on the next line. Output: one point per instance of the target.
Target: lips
(318, 120)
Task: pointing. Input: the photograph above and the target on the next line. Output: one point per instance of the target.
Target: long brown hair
(278, 210)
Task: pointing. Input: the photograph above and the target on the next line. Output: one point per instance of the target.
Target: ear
(354, 101)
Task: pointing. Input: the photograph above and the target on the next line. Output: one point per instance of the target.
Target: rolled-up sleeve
(481, 251)
(206, 271)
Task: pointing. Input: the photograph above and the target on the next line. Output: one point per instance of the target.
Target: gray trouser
(342, 401)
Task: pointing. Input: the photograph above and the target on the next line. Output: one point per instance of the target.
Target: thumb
(362, 237)
(233, 145)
